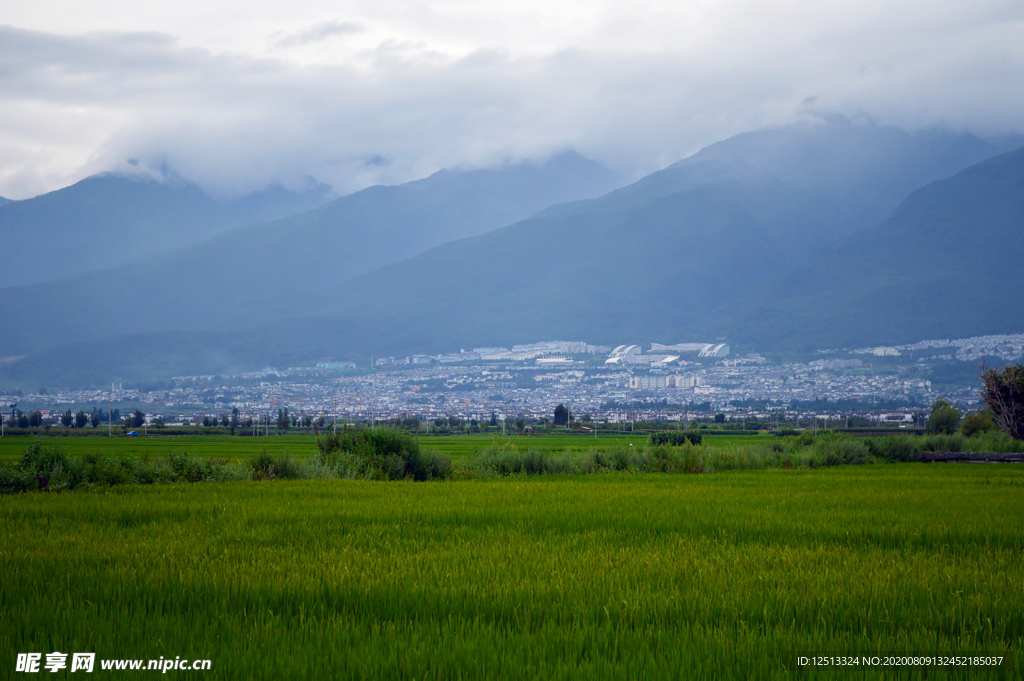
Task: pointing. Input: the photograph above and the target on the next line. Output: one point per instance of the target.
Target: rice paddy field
(212, 446)
(631, 576)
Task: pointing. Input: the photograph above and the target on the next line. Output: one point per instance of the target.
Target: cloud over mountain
(389, 93)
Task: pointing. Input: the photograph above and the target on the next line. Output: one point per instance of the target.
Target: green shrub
(150, 472)
(380, 454)
(893, 448)
(596, 460)
(665, 459)
(14, 480)
(942, 443)
(91, 469)
(837, 450)
(508, 460)
(46, 466)
(943, 419)
(184, 467)
(437, 466)
(265, 466)
(559, 464)
(625, 458)
(977, 422)
(49, 469)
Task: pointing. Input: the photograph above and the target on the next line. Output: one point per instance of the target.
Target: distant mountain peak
(135, 170)
(163, 173)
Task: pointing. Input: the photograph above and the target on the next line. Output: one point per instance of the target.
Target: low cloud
(400, 107)
(319, 32)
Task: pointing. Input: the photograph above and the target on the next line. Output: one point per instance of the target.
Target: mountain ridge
(110, 219)
(241, 269)
(681, 253)
(953, 246)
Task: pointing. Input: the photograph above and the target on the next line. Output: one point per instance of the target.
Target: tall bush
(381, 454)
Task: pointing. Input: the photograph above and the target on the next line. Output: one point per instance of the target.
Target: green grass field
(213, 446)
(608, 576)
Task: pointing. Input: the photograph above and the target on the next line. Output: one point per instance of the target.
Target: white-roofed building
(621, 352)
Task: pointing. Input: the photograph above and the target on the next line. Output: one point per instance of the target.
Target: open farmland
(608, 576)
(211, 446)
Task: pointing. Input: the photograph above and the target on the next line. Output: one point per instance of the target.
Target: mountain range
(725, 259)
(110, 219)
(945, 264)
(239, 273)
(820, 234)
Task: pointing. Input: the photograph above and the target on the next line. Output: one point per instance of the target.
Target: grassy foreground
(611, 576)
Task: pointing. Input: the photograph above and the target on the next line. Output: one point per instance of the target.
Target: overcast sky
(235, 95)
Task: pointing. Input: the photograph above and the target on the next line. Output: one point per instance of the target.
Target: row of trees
(21, 420)
(283, 421)
(78, 419)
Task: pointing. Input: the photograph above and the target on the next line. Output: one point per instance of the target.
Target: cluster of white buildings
(662, 356)
(562, 353)
(655, 381)
(556, 352)
(1007, 346)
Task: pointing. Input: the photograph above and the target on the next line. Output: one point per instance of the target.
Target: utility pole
(110, 412)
